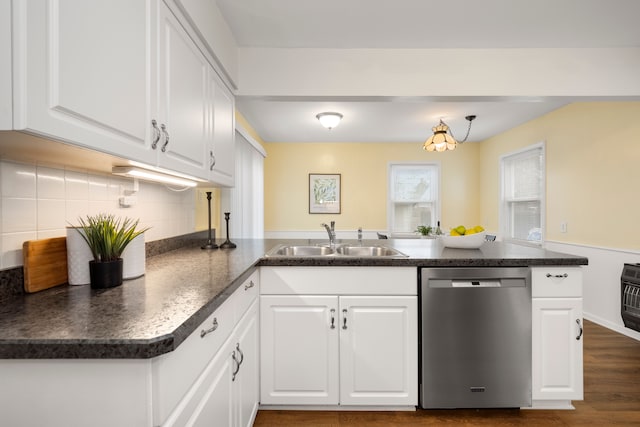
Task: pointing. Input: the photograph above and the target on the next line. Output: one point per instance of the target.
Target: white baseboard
(334, 408)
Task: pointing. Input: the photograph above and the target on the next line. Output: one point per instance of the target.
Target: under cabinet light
(150, 175)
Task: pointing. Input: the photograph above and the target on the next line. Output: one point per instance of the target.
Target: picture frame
(324, 193)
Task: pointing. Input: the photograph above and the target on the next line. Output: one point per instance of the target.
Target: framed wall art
(324, 193)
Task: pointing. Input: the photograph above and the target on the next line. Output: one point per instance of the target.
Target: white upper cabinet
(222, 146)
(184, 100)
(80, 78)
(123, 77)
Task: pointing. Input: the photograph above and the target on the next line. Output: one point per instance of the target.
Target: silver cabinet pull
(250, 285)
(241, 353)
(166, 138)
(212, 159)
(333, 318)
(344, 318)
(211, 329)
(238, 362)
(156, 134)
(579, 326)
(237, 368)
(558, 276)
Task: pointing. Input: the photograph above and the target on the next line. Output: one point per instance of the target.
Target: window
(522, 197)
(413, 197)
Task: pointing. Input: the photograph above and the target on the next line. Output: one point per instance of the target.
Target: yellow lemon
(460, 229)
(453, 232)
(479, 229)
(470, 231)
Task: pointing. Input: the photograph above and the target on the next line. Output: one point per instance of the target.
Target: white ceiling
(417, 24)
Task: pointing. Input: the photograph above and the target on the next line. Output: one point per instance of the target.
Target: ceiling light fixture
(151, 175)
(441, 140)
(329, 120)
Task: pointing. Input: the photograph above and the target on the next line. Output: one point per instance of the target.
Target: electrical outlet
(563, 227)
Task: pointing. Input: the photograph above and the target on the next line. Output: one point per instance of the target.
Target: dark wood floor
(611, 384)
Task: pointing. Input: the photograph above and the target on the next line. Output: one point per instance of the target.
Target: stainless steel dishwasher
(475, 337)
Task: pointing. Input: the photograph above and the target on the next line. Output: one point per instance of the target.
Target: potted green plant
(424, 230)
(107, 237)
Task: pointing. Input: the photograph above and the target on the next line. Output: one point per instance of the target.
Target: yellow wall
(364, 183)
(592, 172)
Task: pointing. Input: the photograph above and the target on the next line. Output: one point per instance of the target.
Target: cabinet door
(184, 100)
(557, 349)
(247, 378)
(222, 147)
(378, 350)
(299, 350)
(83, 73)
(216, 407)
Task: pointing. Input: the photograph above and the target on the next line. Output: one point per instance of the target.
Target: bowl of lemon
(462, 237)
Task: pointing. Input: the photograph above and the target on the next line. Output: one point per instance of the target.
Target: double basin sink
(340, 250)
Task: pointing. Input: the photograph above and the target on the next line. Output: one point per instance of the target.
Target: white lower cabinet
(210, 379)
(352, 349)
(227, 393)
(557, 333)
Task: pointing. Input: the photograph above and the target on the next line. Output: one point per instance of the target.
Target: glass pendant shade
(440, 140)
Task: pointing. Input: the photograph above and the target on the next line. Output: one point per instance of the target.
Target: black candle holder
(211, 244)
(227, 243)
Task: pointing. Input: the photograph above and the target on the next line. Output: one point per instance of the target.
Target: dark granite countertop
(152, 315)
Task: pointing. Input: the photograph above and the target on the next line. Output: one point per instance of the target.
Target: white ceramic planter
(78, 257)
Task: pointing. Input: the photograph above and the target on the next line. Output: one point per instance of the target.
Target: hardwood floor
(611, 397)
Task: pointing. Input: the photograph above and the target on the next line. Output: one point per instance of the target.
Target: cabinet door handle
(211, 329)
(156, 134)
(249, 286)
(166, 138)
(558, 276)
(344, 318)
(333, 318)
(241, 353)
(580, 327)
(237, 368)
(212, 158)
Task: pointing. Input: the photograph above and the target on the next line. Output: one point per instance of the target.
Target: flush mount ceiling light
(442, 138)
(151, 175)
(329, 120)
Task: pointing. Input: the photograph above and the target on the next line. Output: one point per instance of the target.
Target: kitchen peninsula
(138, 354)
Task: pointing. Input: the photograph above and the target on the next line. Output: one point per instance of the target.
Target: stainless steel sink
(326, 251)
(301, 251)
(368, 251)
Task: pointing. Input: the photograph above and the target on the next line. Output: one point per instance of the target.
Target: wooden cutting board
(45, 263)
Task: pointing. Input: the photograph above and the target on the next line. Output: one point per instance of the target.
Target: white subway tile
(11, 255)
(51, 214)
(76, 185)
(18, 215)
(98, 187)
(47, 234)
(50, 183)
(75, 209)
(18, 180)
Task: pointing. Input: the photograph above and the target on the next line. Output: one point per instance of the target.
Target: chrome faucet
(360, 235)
(331, 231)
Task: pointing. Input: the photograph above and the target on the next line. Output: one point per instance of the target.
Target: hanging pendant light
(442, 138)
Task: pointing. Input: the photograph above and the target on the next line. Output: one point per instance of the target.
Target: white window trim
(503, 214)
(390, 210)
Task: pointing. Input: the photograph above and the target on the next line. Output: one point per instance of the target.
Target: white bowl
(472, 241)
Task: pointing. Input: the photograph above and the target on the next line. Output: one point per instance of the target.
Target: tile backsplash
(38, 202)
